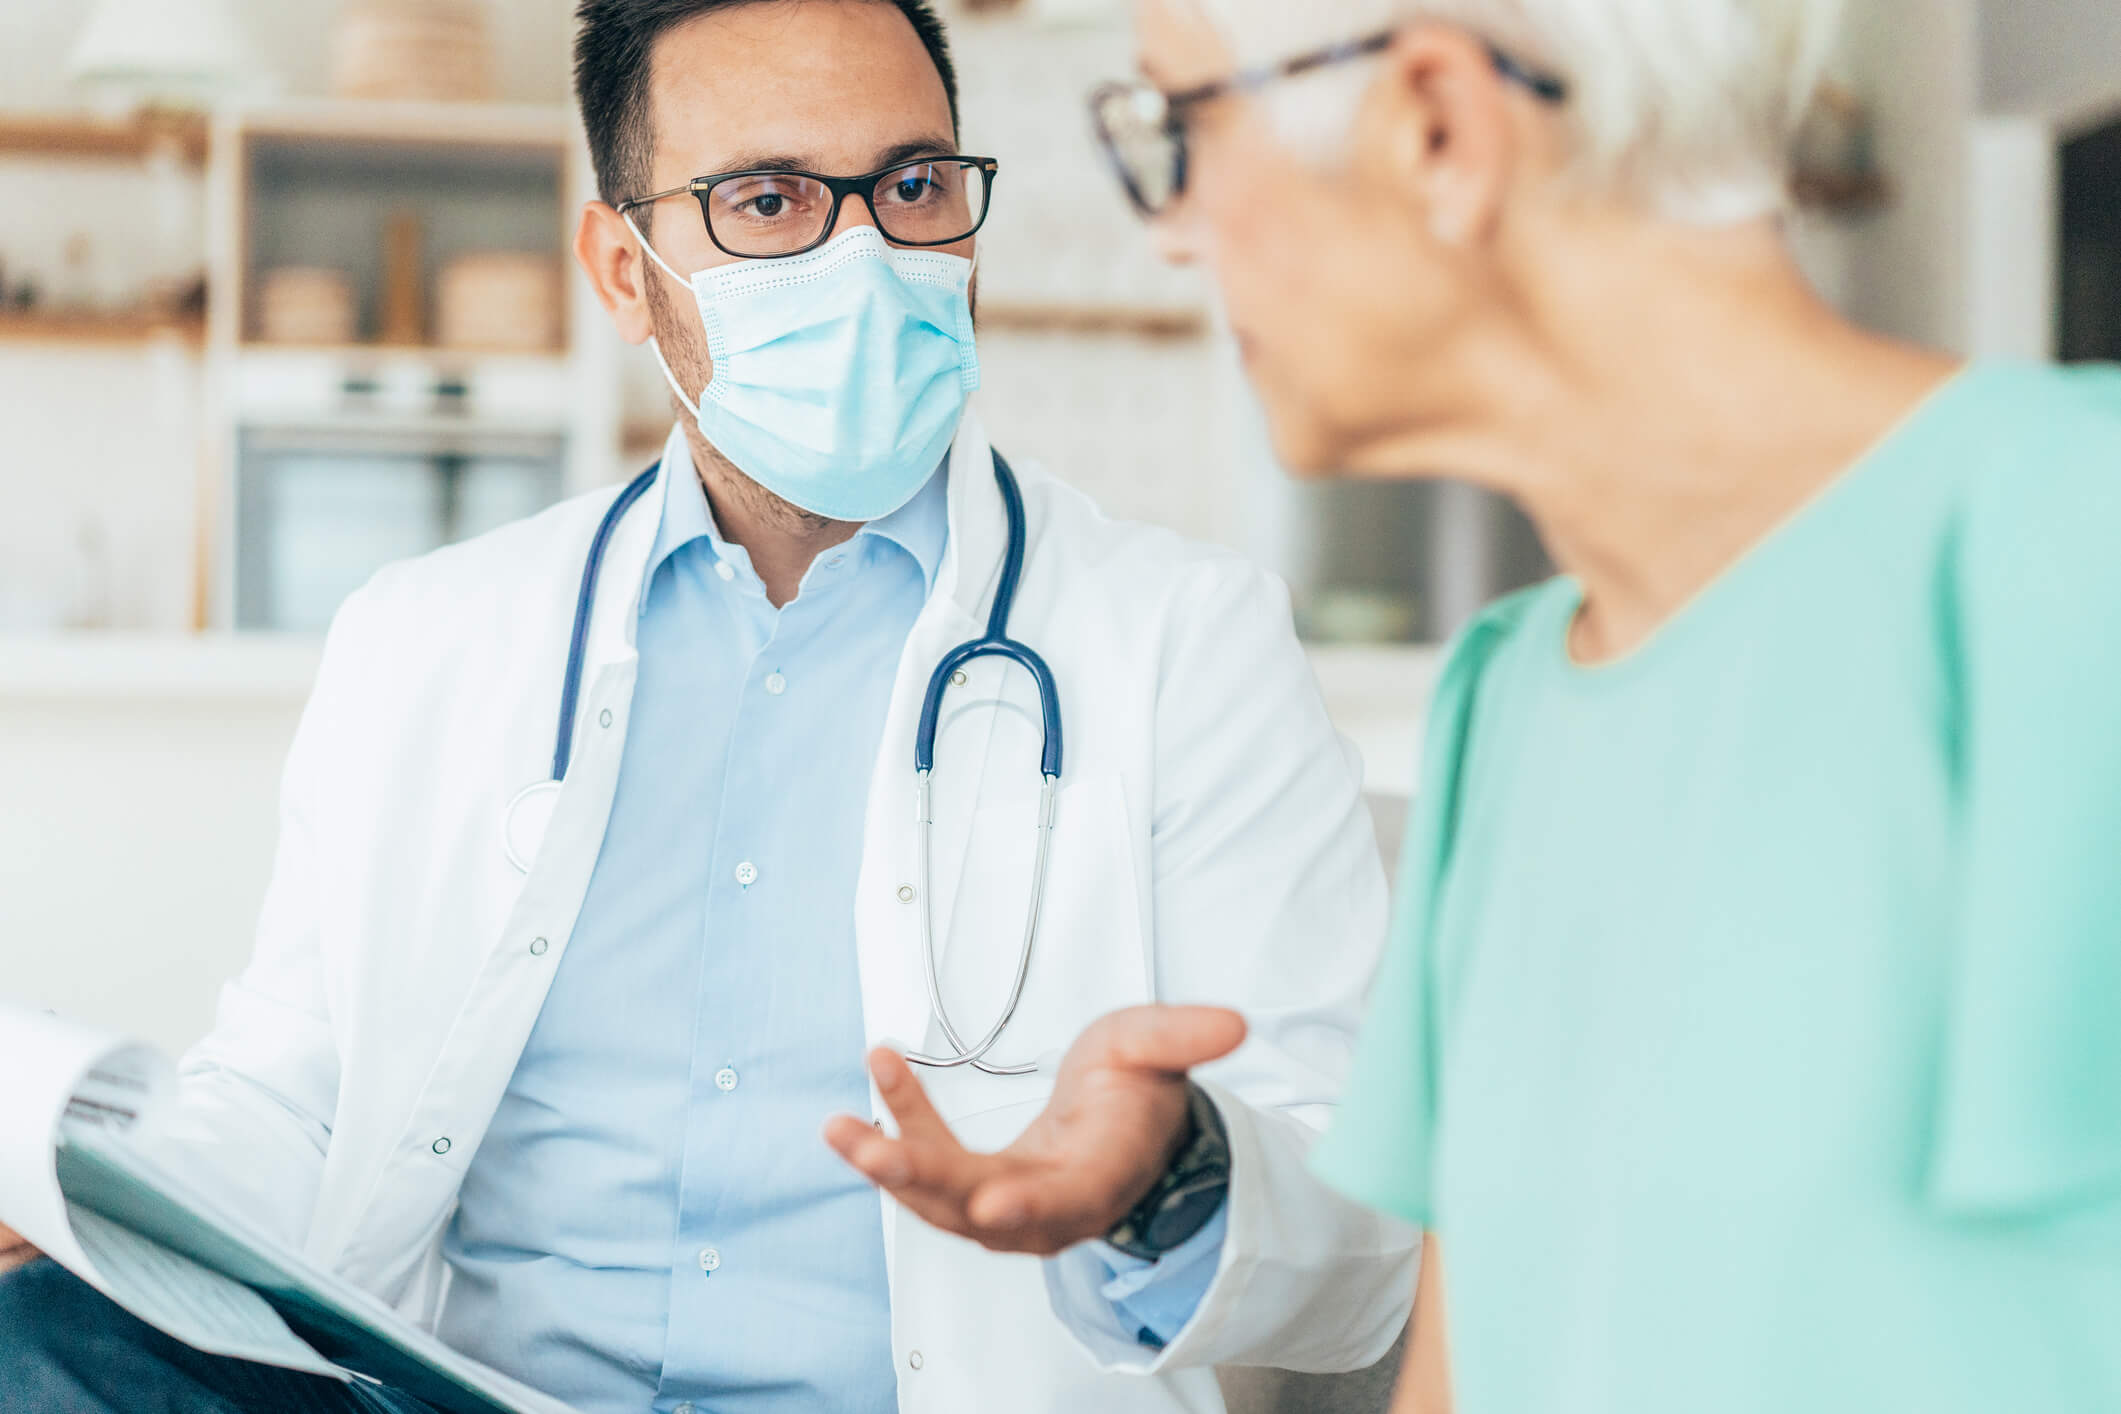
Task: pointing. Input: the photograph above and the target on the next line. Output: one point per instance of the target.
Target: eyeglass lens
(779, 213)
(1144, 144)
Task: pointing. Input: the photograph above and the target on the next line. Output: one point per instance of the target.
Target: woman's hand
(15, 1250)
(1112, 1126)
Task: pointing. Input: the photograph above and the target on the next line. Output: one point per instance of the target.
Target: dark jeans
(67, 1349)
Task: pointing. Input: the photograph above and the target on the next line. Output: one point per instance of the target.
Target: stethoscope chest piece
(524, 824)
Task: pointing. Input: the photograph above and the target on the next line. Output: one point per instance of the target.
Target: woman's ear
(1439, 120)
(611, 258)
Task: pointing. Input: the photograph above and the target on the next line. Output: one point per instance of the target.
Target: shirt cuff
(1156, 1299)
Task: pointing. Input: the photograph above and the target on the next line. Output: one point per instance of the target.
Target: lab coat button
(604, 717)
(914, 1359)
(538, 946)
(958, 678)
(907, 893)
(441, 1146)
(710, 1260)
(747, 874)
(776, 684)
(725, 1079)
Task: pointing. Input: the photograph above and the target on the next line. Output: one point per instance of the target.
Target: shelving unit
(326, 459)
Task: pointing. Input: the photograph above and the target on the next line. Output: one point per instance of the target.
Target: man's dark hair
(614, 48)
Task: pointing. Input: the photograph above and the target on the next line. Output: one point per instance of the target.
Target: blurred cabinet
(334, 456)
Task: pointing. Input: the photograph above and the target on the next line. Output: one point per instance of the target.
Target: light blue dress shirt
(653, 1220)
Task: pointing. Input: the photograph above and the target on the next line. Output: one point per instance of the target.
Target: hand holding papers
(75, 1184)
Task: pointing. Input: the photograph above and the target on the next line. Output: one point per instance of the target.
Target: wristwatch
(1180, 1202)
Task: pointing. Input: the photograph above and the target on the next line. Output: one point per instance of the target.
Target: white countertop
(1377, 695)
(261, 668)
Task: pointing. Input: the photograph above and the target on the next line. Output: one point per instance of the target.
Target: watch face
(1185, 1216)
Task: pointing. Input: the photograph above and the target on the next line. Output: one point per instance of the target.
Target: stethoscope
(533, 801)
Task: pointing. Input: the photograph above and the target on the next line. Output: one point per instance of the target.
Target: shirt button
(914, 1359)
(723, 569)
(776, 684)
(683, 1409)
(538, 946)
(907, 893)
(747, 874)
(725, 1080)
(710, 1259)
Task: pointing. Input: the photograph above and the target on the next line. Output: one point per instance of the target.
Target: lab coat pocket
(1087, 959)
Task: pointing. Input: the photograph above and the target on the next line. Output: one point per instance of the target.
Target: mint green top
(1751, 1032)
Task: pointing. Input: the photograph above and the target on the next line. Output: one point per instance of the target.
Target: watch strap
(1187, 1194)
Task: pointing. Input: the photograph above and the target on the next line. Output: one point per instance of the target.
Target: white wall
(138, 824)
(1904, 270)
(293, 40)
(2044, 54)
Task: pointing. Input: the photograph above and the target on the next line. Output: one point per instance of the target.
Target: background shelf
(113, 328)
(80, 135)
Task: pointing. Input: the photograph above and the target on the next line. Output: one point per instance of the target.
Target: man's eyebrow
(763, 161)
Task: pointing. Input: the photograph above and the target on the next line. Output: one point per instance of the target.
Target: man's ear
(1438, 127)
(608, 254)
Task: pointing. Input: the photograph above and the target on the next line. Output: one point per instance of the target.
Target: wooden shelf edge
(460, 124)
(429, 352)
(1146, 322)
(84, 135)
(99, 328)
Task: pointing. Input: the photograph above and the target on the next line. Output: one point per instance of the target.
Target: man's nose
(852, 212)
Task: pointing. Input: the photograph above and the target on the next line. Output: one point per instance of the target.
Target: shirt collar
(921, 527)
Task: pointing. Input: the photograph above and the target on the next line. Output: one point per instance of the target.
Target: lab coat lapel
(464, 1087)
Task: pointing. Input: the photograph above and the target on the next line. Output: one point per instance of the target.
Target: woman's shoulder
(2036, 438)
(2037, 520)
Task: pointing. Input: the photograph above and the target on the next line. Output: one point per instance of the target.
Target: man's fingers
(1173, 1039)
(902, 1090)
(1038, 1204)
(901, 1165)
(932, 1180)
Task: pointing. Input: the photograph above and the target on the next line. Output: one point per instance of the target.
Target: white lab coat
(1211, 846)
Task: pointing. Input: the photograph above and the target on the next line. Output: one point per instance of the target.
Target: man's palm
(1115, 1119)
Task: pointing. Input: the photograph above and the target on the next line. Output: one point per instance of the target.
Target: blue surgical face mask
(839, 374)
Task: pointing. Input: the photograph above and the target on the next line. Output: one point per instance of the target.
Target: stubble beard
(684, 346)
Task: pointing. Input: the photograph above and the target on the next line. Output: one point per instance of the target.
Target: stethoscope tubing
(995, 643)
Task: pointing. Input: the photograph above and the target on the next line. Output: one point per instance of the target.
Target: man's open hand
(1112, 1126)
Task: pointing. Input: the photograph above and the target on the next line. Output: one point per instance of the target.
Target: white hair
(1692, 106)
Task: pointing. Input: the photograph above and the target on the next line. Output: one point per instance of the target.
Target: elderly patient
(617, 1125)
(1749, 1039)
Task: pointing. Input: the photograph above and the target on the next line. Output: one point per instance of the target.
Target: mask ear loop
(654, 346)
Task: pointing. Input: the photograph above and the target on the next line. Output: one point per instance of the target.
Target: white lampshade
(164, 51)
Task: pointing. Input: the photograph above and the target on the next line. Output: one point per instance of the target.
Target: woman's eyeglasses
(765, 214)
(1143, 129)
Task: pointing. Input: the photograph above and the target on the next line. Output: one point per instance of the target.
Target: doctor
(548, 1067)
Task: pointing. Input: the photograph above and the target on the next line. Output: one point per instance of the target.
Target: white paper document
(73, 1186)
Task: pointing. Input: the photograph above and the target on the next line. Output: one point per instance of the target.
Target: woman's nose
(1174, 237)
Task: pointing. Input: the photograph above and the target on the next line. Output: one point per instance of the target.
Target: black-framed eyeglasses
(1143, 129)
(767, 213)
